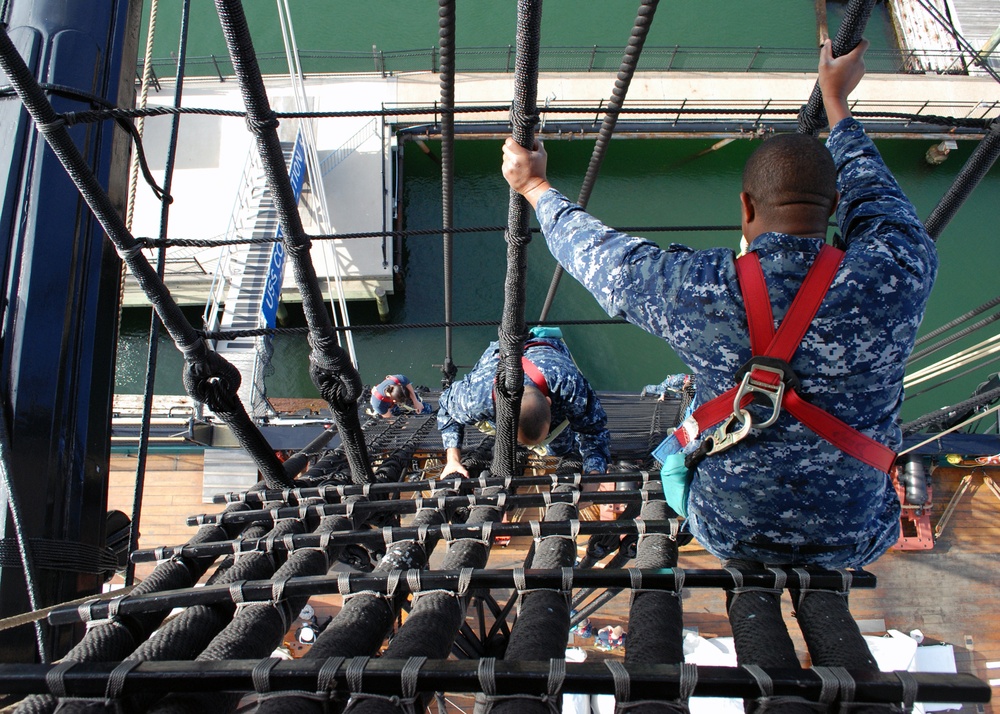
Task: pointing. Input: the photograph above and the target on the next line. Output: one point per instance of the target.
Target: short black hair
(535, 416)
(790, 169)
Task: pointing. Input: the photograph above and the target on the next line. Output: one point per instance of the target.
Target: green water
(642, 183)
(409, 24)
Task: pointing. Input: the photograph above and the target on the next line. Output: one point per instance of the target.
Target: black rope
(523, 500)
(812, 117)
(117, 113)
(644, 18)
(154, 323)
(212, 243)
(512, 332)
(978, 164)
(652, 682)
(951, 339)
(655, 617)
(831, 634)
(383, 581)
(471, 460)
(542, 625)
(945, 414)
(118, 637)
(436, 616)
(958, 321)
(237, 334)
(207, 376)
(446, 40)
(108, 111)
(330, 368)
(760, 635)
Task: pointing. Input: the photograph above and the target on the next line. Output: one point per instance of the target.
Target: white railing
(337, 156)
(245, 206)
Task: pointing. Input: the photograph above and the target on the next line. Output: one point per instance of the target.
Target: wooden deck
(949, 592)
(916, 28)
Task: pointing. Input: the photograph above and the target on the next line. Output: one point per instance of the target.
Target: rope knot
(263, 123)
(213, 380)
(522, 119)
(517, 239)
(810, 123)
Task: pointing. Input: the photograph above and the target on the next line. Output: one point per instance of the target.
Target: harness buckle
(724, 438)
(773, 393)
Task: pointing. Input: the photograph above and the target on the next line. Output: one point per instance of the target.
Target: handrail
(591, 58)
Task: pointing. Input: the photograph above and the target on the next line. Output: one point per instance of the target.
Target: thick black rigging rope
(108, 111)
(978, 164)
(330, 366)
(446, 35)
(644, 18)
(812, 117)
(513, 331)
(208, 377)
(154, 323)
(951, 339)
(958, 320)
(947, 413)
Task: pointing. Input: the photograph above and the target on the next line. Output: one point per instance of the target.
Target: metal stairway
(247, 270)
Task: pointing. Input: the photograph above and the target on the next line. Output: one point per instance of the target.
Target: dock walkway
(357, 153)
(977, 21)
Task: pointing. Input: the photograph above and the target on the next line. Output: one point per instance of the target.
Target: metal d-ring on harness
(768, 376)
(759, 390)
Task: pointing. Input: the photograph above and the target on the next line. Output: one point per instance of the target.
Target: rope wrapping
(938, 416)
(116, 638)
(436, 616)
(446, 42)
(832, 636)
(542, 625)
(512, 331)
(812, 116)
(759, 631)
(655, 617)
(643, 20)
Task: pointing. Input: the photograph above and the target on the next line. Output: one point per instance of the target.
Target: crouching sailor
(560, 412)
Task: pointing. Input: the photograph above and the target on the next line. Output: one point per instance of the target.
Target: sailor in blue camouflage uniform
(676, 383)
(470, 401)
(783, 494)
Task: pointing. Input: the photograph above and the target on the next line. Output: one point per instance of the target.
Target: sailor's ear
(747, 207)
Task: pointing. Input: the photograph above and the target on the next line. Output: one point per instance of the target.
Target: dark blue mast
(60, 281)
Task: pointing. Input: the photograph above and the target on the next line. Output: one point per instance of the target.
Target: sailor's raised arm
(838, 77)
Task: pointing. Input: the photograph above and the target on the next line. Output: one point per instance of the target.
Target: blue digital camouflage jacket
(470, 401)
(783, 485)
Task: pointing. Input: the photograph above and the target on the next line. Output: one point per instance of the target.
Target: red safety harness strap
(782, 344)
